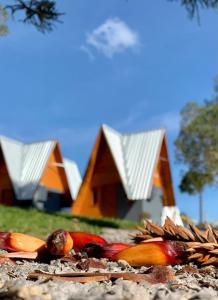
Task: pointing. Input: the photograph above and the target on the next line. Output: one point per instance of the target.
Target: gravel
(188, 283)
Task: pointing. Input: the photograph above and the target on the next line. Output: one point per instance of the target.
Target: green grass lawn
(41, 224)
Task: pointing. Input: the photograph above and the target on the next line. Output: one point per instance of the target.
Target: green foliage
(193, 6)
(197, 146)
(194, 182)
(43, 14)
(3, 21)
(197, 143)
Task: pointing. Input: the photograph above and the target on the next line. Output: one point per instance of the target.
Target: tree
(3, 20)
(197, 146)
(193, 6)
(193, 183)
(43, 14)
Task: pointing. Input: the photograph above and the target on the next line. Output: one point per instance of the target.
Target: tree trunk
(200, 207)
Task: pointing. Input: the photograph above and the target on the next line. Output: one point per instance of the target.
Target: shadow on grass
(103, 222)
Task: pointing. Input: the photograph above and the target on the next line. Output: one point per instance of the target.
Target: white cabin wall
(154, 205)
(135, 211)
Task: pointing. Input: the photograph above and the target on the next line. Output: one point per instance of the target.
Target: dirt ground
(187, 283)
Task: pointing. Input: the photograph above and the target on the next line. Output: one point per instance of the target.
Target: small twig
(24, 255)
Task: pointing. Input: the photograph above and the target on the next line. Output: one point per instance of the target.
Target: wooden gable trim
(66, 189)
(79, 202)
(89, 182)
(112, 175)
(11, 186)
(170, 195)
(163, 171)
(156, 164)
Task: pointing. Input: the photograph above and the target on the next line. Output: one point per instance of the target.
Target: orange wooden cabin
(36, 174)
(128, 176)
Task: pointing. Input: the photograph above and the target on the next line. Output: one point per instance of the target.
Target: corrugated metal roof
(114, 140)
(135, 156)
(73, 177)
(141, 152)
(34, 159)
(26, 163)
(12, 152)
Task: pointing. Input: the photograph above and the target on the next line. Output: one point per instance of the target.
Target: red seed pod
(59, 242)
(112, 249)
(15, 241)
(80, 239)
(104, 251)
(154, 253)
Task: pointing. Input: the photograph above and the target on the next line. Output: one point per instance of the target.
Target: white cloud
(133, 117)
(88, 52)
(113, 36)
(135, 120)
(168, 120)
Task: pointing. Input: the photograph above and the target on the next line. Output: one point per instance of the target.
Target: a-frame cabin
(36, 174)
(128, 176)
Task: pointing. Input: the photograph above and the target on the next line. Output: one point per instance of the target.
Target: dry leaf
(190, 269)
(160, 274)
(91, 263)
(70, 258)
(177, 286)
(155, 275)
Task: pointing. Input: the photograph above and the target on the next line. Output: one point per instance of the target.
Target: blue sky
(130, 64)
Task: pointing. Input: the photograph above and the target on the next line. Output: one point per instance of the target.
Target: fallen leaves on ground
(157, 274)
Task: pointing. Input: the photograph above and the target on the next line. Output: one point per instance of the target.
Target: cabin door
(107, 200)
(53, 202)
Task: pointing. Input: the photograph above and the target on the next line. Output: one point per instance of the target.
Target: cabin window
(96, 195)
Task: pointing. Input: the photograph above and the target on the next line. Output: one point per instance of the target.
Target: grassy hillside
(40, 224)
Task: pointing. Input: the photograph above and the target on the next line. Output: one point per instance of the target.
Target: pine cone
(202, 247)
